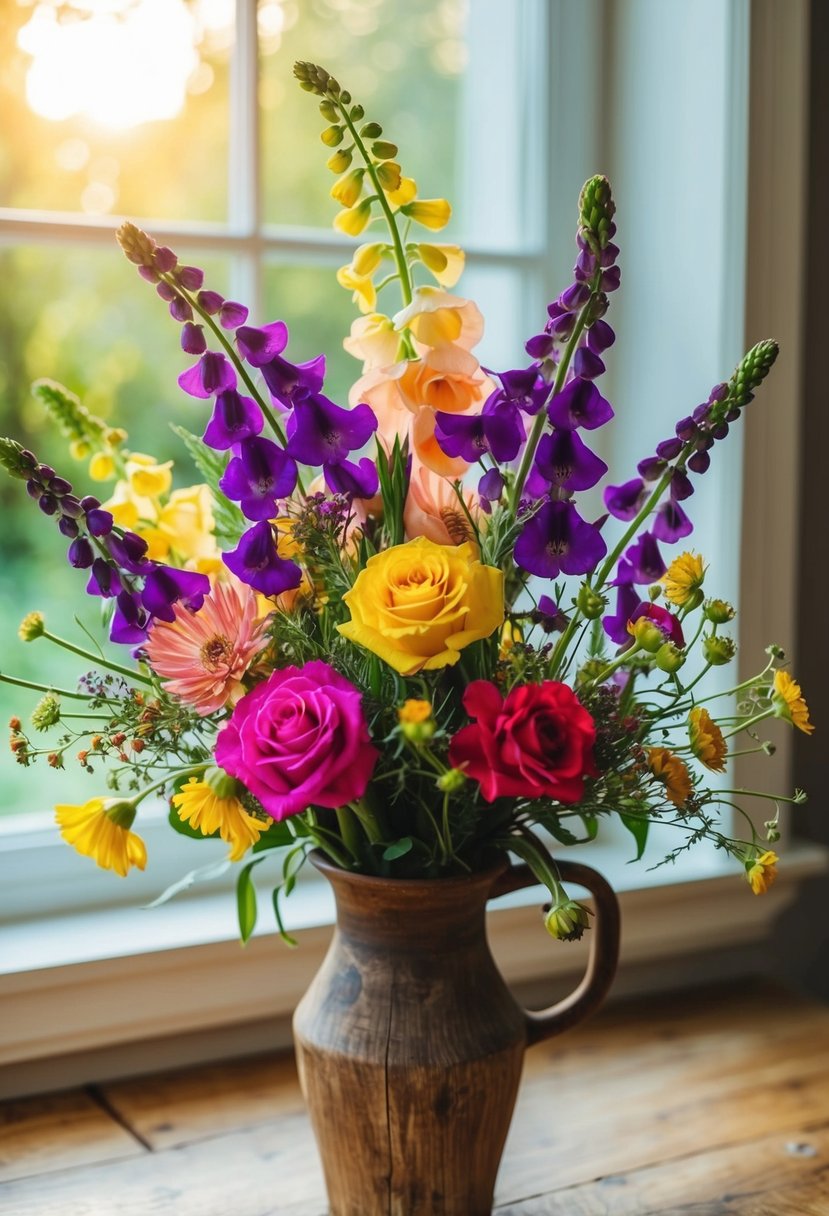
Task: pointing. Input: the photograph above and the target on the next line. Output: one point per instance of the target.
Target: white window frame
(148, 975)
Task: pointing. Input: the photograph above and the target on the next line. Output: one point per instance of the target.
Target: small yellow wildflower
(432, 213)
(100, 829)
(445, 262)
(416, 721)
(101, 467)
(209, 809)
(347, 189)
(353, 220)
(673, 773)
(31, 627)
(683, 579)
(146, 478)
(762, 872)
(789, 704)
(707, 740)
(511, 634)
(364, 293)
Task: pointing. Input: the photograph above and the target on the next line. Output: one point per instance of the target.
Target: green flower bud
(221, 783)
(568, 921)
(32, 626)
(388, 175)
(589, 671)
(669, 658)
(329, 111)
(718, 612)
(357, 113)
(648, 635)
(451, 781)
(751, 371)
(654, 593)
(315, 79)
(46, 713)
(383, 149)
(332, 136)
(16, 460)
(122, 814)
(371, 130)
(718, 650)
(596, 211)
(591, 605)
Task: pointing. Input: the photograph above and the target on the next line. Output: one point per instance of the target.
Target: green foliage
(230, 522)
(65, 408)
(246, 900)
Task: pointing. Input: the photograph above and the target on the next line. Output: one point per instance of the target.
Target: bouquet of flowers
(387, 630)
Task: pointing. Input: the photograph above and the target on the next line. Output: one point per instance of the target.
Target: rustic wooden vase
(410, 1046)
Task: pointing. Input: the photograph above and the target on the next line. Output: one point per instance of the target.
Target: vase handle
(604, 948)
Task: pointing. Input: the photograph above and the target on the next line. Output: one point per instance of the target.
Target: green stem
(747, 724)
(192, 771)
(399, 253)
(59, 692)
(96, 660)
(349, 831)
(371, 820)
(623, 658)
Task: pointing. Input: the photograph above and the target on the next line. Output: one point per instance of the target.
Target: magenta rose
(299, 739)
(535, 743)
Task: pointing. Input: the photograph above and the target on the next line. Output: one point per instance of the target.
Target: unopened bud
(669, 658)
(451, 781)
(718, 650)
(591, 605)
(46, 713)
(32, 626)
(718, 612)
(568, 921)
(221, 783)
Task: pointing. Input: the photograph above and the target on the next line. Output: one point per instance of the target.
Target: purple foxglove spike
(148, 273)
(128, 552)
(566, 461)
(98, 521)
(180, 310)
(355, 480)
(89, 502)
(718, 393)
(556, 540)
(48, 504)
(651, 468)
(166, 292)
(611, 278)
(80, 554)
(210, 301)
(68, 526)
(164, 259)
(685, 429)
(104, 579)
(165, 586)
(720, 431)
(671, 523)
(701, 413)
(193, 341)
(256, 562)
(491, 487)
(574, 297)
(461, 435)
(698, 462)
(321, 432)
(600, 337)
(71, 506)
(664, 620)
(547, 606)
(585, 266)
(536, 486)
(579, 404)
(625, 574)
(616, 624)
(555, 310)
(212, 374)
(503, 428)
(190, 277)
(234, 418)
(608, 255)
(646, 560)
(33, 488)
(562, 327)
(258, 346)
(525, 387)
(587, 364)
(681, 487)
(287, 382)
(232, 315)
(540, 346)
(669, 449)
(130, 622)
(258, 475)
(732, 415)
(625, 501)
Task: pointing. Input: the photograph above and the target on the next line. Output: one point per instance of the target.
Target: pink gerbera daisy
(204, 655)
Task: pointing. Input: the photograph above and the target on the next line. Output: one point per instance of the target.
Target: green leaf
(246, 900)
(638, 827)
(230, 522)
(277, 836)
(399, 849)
(204, 874)
(283, 933)
(184, 829)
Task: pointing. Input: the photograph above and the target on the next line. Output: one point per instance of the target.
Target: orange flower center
(216, 653)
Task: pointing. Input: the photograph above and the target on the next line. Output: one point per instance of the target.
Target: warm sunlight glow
(117, 62)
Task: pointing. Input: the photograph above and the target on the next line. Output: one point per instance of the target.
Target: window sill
(105, 979)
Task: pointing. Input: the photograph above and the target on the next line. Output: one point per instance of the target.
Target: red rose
(536, 743)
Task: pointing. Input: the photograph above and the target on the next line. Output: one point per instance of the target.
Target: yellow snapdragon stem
(399, 253)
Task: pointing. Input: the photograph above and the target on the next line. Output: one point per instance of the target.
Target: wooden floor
(705, 1104)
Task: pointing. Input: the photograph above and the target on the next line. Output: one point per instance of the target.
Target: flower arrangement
(387, 631)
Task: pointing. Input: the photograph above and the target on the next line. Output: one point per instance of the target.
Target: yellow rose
(186, 520)
(417, 605)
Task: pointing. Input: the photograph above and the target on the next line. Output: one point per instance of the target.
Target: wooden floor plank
(785, 1174)
(182, 1107)
(40, 1135)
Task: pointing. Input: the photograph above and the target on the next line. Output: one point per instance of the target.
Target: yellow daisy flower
(206, 810)
(789, 704)
(762, 872)
(673, 773)
(707, 740)
(683, 579)
(100, 829)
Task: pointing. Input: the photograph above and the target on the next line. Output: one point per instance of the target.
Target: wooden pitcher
(410, 1045)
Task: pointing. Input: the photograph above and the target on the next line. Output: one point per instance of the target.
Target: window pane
(81, 316)
(120, 111)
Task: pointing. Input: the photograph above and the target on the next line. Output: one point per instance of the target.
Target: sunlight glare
(120, 64)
